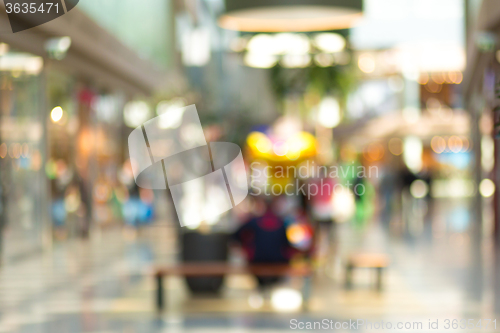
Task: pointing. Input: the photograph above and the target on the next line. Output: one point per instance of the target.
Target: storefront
(481, 95)
(22, 147)
(61, 129)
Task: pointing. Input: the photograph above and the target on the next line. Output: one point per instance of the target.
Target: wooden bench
(375, 261)
(205, 269)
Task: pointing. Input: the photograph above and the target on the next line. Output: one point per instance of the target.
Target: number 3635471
(31, 8)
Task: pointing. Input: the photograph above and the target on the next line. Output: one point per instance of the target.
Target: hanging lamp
(290, 15)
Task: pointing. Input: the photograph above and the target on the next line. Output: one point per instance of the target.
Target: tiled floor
(101, 285)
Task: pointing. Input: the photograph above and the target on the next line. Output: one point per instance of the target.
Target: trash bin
(198, 247)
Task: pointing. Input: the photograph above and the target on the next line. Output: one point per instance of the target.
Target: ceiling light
(295, 60)
(283, 16)
(263, 44)
(330, 42)
(258, 60)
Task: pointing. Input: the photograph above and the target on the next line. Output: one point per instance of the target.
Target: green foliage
(335, 80)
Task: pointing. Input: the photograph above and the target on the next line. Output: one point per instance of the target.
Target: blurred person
(58, 210)
(416, 209)
(136, 212)
(86, 206)
(300, 233)
(277, 233)
(320, 213)
(388, 189)
(59, 217)
(364, 195)
(263, 237)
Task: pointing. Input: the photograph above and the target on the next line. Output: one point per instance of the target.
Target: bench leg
(348, 276)
(380, 271)
(306, 292)
(160, 301)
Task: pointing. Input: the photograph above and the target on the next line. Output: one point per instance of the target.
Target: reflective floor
(103, 285)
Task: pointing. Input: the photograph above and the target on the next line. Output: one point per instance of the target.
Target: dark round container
(199, 247)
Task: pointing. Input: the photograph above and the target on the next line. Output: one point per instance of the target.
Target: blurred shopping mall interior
(249, 165)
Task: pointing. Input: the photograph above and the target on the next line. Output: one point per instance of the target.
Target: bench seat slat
(221, 268)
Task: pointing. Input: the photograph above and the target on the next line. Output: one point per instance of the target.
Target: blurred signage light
(56, 114)
(419, 189)
(343, 205)
(166, 106)
(412, 153)
(58, 47)
(196, 47)
(135, 113)
(21, 62)
(487, 188)
(438, 144)
(4, 48)
(396, 146)
(487, 153)
(422, 62)
(366, 63)
(329, 112)
(299, 145)
(324, 59)
(452, 188)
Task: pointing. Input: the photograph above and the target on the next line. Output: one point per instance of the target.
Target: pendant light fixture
(290, 15)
